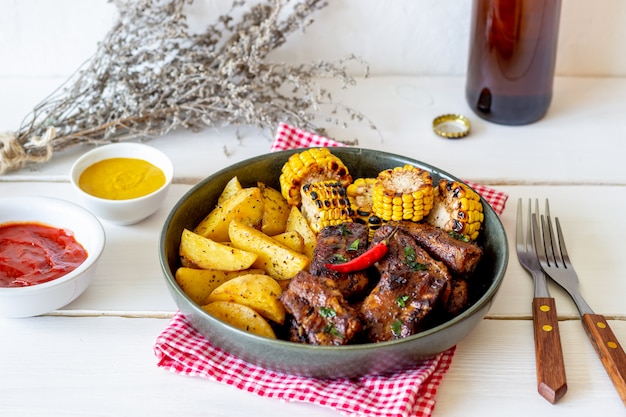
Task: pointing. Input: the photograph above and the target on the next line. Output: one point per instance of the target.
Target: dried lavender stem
(149, 76)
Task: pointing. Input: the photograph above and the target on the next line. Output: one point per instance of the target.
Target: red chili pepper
(366, 259)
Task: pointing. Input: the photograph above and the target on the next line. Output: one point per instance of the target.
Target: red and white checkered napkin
(180, 348)
(410, 393)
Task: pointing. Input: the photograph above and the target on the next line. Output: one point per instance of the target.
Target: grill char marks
(420, 282)
(339, 242)
(461, 257)
(411, 283)
(321, 315)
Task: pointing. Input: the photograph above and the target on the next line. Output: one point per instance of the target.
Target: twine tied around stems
(15, 155)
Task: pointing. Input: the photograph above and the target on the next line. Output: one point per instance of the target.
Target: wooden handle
(551, 381)
(608, 349)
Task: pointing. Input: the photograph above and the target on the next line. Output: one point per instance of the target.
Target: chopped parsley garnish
(396, 327)
(327, 312)
(410, 257)
(354, 246)
(401, 300)
(344, 231)
(459, 236)
(332, 330)
(338, 258)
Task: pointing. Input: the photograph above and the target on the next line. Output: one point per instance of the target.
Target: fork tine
(539, 245)
(519, 238)
(562, 247)
(524, 241)
(548, 254)
(557, 247)
(529, 231)
(548, 236)
(554, 250)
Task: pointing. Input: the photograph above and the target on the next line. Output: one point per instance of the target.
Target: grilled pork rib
(461, 257)
(423, 271)
(344, 242)
(410, 285)
(321, 315)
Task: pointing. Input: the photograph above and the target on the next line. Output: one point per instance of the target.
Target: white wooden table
(94, 357)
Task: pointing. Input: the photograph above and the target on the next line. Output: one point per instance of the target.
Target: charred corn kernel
(325, 203)
(457, 208)
(360, 196)
(360, 193)
(402, 193)
(372, 222)
(312, 165)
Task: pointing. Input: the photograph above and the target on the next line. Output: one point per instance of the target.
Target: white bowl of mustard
(122, 183)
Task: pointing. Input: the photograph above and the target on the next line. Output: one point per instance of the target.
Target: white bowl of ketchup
(36, 233)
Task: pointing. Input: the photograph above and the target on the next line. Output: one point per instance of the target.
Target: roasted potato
(292, 240)
(208, 254)
(199, 283)
(275, 212)
(240, 316)
(246, 206)
(275, 259)
(296, 222)
(187, 263)
(258, 291)
(232, 187)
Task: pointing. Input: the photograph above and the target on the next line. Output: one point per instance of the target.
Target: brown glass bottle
(511, 59)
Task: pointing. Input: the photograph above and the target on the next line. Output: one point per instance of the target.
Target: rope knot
(14, 155)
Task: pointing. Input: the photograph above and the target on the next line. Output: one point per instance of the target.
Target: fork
(555, 261)
(551, 380)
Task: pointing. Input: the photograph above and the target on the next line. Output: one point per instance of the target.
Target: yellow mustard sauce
(121, 178)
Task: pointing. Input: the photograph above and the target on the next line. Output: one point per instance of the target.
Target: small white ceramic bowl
(42, 298)
(130, 211)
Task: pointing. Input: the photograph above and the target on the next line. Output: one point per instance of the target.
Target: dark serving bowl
(327, 361)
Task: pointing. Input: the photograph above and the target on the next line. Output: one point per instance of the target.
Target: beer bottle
(511, 59)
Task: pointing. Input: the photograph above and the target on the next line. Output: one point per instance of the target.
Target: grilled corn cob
(325, 203)
(312, 165)
(457, 209)
(402, 193)
(360, 196)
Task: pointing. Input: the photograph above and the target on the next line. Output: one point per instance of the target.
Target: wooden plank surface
(71, 367)
(575, 143)
(94, 356)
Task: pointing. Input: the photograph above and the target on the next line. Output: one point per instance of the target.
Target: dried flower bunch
(151, 75)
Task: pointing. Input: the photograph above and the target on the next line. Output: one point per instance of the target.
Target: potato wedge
(292, 240)
(188, 263)
(246, 206)
(240, 316)
(199, 283)
(260, 292)
(232, 187)
(208, 254)
(277, 260)
(297, 222)
(275, 212)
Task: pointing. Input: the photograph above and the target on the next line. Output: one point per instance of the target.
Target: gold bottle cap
(451, 126)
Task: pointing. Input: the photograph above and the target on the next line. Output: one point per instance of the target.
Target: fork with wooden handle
(555, 261)
(551, 380)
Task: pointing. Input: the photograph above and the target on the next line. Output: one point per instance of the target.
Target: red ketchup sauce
(33, 253)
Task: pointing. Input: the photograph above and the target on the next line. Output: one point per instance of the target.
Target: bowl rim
(93, 254)
(478, 304)
(108, 151)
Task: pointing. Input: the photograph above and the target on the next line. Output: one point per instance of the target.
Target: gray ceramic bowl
(327, 361)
